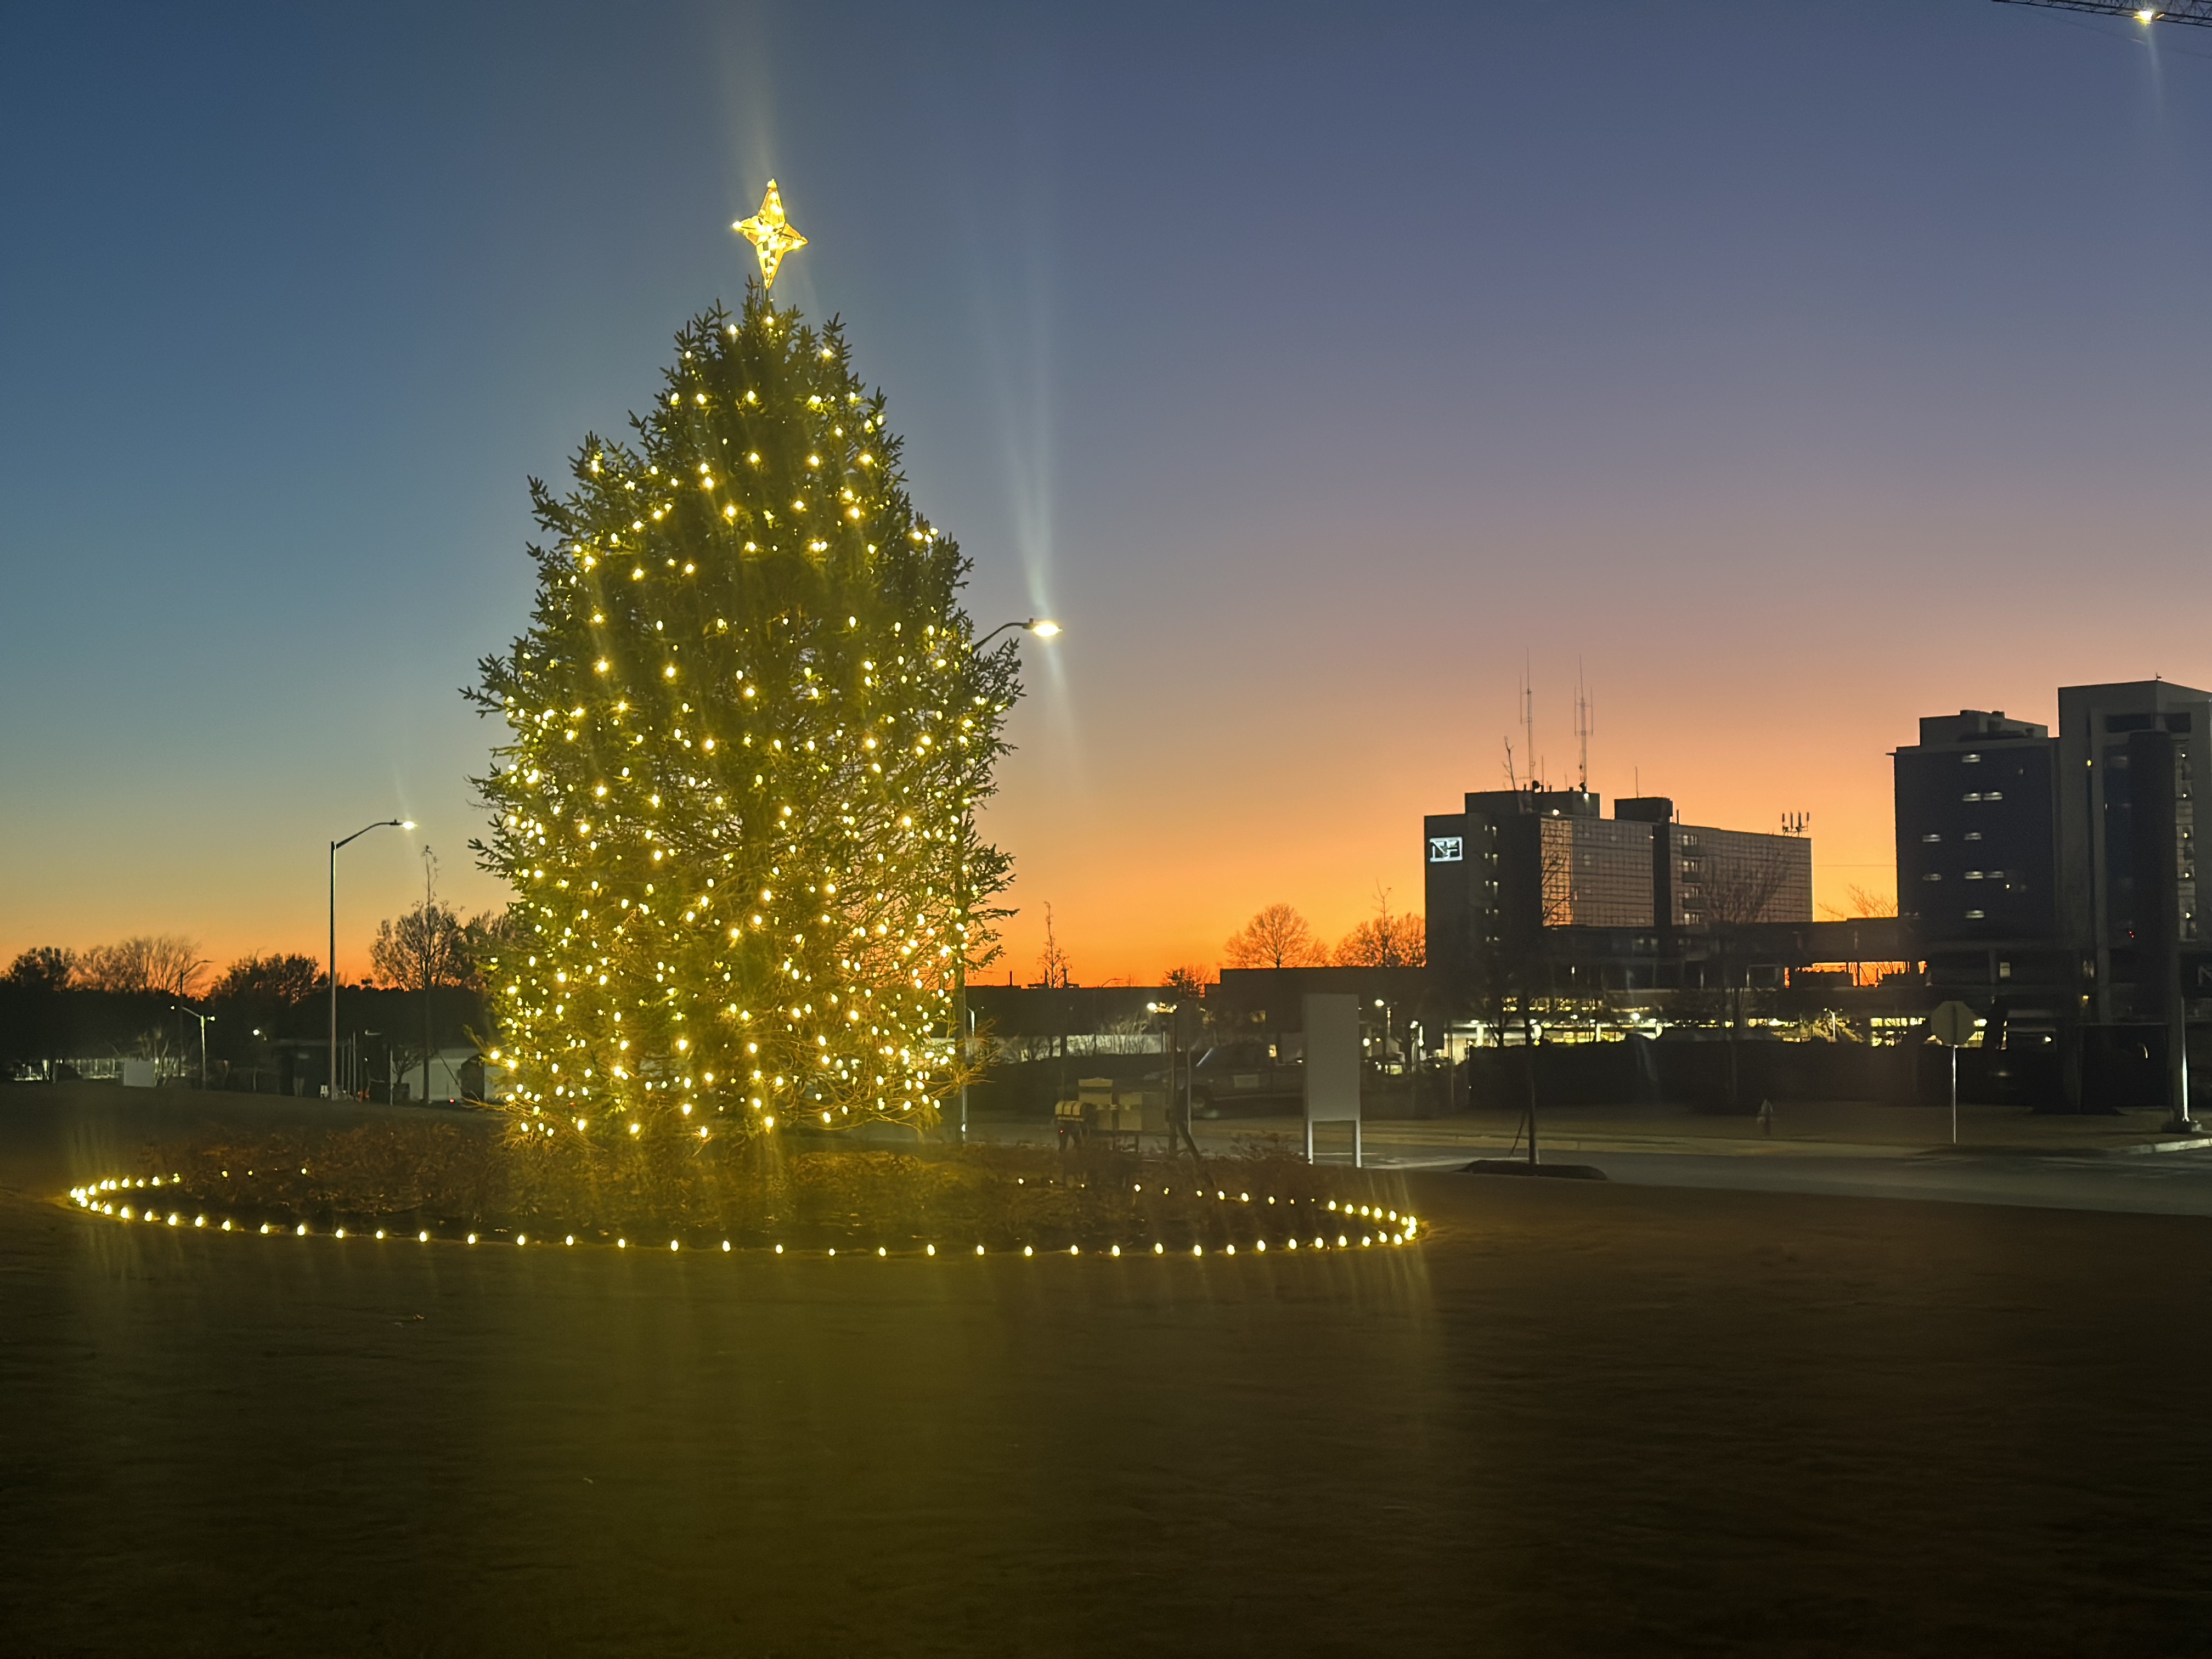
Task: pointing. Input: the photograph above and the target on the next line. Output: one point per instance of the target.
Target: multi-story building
(1978, 849)
(1539, 878)
(2102, 884)
(2032, 866)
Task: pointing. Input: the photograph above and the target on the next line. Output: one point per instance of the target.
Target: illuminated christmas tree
(749, 730)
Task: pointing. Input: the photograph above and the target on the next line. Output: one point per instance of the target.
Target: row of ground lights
(1387, 1227)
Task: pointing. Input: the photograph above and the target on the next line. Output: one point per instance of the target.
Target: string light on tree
(745, 733)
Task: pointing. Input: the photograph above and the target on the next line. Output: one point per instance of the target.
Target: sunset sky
(1795, 370)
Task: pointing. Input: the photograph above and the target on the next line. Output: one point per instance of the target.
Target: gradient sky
(1797, 369)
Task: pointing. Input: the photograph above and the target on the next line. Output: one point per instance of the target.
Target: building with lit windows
(2032, 866)
(2126, 837)
(1977, 847)
(1538, 884)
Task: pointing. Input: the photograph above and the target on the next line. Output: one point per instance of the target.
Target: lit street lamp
(1170, 1034)
(1045, 628)
(331, 1088)
(203, 1019)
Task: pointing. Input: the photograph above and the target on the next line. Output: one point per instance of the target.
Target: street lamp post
(203, 1019)
(1181, 1058)
(1044, 628)
(330, 1069)
(1165, 1014)
(429, 871)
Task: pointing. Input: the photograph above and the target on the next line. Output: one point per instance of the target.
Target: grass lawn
(1579, 1418)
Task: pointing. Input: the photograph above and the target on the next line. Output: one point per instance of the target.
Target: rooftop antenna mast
(1529, 724)
(1585, 724)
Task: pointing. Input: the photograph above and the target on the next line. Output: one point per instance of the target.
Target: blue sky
(1797, 369)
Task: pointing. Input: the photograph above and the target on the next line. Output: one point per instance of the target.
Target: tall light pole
(1170, 1031)
(203, 1019)
(1045, 628)
(430, 874)
(331, 1088)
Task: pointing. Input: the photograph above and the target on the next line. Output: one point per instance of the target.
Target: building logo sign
(1444, 849)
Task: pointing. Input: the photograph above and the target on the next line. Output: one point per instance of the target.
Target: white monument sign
(1332, 1033)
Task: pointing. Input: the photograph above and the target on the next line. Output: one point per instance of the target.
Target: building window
(1973, 915)
(1973, 760)
(1994, 794)
(2004, 970)
(1973, 875)
(1971, 794)
(1931, 876)
(1932, 835)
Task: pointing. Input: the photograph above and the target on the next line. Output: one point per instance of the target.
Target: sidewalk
(2006, 1156)
(1829, 1129)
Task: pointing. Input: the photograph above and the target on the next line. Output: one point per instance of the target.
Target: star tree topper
(771, 235)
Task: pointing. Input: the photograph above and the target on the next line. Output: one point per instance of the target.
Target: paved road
(2147, 1183)
(2174, 1183)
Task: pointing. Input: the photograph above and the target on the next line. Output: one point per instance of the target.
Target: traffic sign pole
(1952, 1025)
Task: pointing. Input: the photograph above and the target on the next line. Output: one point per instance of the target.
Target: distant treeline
(129, 1000)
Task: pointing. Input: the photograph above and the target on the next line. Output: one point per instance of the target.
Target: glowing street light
(1044, 626)
(330, 1069)
(203, 1019)
(1171, 1044)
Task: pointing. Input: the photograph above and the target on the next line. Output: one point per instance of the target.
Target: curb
(2192, 1143)
(2189, 1144)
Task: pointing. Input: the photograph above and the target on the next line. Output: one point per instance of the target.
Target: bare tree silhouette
(1741, 887)
(167, 962)
(1278, 937)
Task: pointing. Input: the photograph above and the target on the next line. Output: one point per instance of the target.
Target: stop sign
(1952, 1024)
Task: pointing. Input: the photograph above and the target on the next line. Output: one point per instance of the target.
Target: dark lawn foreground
(1581, 1418)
